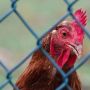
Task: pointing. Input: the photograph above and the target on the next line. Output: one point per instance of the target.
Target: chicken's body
(40, 76)
(64, 44)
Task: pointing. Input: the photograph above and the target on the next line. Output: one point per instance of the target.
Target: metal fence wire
(13, 9)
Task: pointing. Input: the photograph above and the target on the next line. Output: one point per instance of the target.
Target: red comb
(81, 16)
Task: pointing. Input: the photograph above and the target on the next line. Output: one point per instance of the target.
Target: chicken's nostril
(77, 43)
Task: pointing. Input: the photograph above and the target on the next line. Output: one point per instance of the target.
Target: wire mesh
(69, 12)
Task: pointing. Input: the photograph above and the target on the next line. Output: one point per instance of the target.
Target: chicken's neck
(57, 78)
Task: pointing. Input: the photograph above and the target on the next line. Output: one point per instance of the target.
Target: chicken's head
(67, 40)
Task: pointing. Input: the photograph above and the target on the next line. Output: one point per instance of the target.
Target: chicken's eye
(64, 34)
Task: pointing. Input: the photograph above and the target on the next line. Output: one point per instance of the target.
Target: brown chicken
(64, 44)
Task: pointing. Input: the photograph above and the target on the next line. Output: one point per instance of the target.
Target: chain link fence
(69, 12)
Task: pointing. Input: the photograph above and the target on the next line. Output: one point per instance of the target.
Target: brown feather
(38, 74)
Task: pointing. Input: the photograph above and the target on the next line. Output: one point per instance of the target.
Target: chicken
(64, 44)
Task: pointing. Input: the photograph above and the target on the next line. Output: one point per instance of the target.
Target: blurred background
(16, 41)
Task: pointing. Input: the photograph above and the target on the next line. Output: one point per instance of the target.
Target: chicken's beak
(77, 49)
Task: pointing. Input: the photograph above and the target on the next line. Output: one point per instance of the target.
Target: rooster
(64, 44)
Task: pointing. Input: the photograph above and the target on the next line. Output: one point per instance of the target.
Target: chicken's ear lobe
(81, 16)
(46, 42)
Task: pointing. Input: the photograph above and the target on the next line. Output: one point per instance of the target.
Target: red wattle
(63, 58)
